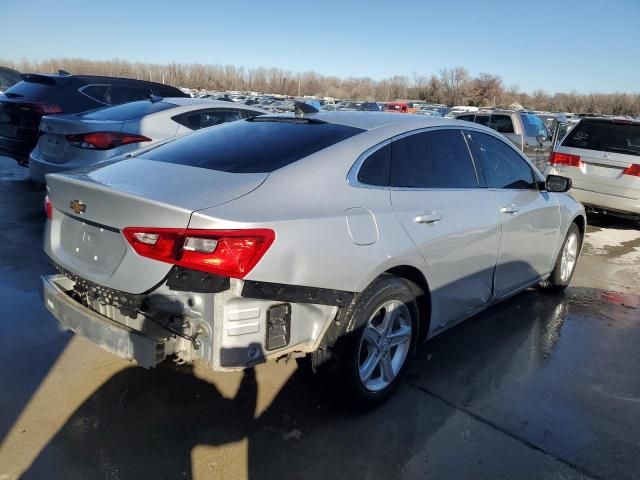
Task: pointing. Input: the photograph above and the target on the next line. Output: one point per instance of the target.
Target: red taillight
(104, 140)
(231, 253)
(557, 158)
(633, 170)
(41, 108)
(48, 208)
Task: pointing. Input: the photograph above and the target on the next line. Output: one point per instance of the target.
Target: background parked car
(602, 158)
(361, 107)
(70, 141)
(397, 107)
(523, 129)
(23, 105)
(8, 78)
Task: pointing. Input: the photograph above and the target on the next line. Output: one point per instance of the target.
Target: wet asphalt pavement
(541, 386)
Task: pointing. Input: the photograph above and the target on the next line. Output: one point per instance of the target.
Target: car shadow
(146, 423)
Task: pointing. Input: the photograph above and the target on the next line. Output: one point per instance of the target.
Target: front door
(530, 217)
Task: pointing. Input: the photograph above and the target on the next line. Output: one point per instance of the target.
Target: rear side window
(123, 93)
(501, 123)
(468, 118)
(437, 159)
(501, 165)
(96, 92)
(259, 145)
(128, 111)
(375, 170)
(208, 118)
(605, 137)
(482, 120)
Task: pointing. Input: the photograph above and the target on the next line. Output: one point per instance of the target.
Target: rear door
(451, 219)
(530, 218)
(606, 150)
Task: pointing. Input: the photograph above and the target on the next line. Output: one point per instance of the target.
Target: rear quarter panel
(305, 204)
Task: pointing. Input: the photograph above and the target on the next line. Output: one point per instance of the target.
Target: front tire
(566, 262)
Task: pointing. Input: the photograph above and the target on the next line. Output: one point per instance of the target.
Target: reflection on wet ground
(541, 386)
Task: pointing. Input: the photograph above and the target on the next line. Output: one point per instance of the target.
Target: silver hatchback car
(602, 158)
(345, 237)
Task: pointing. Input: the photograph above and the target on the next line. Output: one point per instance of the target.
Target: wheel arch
(414, 275)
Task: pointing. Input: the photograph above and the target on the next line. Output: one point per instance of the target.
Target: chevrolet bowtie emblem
(77, 206)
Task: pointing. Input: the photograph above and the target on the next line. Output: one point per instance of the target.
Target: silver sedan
(72, 141)
(347, 237)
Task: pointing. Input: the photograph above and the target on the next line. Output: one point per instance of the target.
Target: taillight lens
(104, 140)
(633, 170)
(48, 208)
(231, 253)
(557, 158)
(40, 108)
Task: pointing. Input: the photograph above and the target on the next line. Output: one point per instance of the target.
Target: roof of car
(372, 120)
(186, 101)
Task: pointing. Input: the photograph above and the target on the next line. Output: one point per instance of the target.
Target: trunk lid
(88, 240)
(53, 145)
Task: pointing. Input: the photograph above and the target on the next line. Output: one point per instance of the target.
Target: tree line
(451, 86)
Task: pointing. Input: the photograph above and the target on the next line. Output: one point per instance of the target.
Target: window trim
(81, 90)
(352, 175)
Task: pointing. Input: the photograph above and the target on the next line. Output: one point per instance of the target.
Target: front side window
(533, 126)
(467, 118)
(436, 159)
(501, 165)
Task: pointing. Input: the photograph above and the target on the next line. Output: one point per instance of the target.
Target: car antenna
(300, 108)
(155, 98)
(63, 72)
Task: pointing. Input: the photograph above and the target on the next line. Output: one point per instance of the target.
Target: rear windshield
(605, 137)
(128, 111)
(33, 88)
(247, 146)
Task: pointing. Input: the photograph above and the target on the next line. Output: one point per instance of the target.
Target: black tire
(340, 364)
(556, 282)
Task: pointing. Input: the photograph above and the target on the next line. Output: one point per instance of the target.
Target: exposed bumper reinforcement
(114, 337)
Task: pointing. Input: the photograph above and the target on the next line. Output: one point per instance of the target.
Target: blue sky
(559, 45)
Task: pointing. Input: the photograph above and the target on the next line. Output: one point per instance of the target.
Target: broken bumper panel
(112, 336)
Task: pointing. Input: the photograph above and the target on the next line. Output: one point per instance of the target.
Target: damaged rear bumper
(112, 336)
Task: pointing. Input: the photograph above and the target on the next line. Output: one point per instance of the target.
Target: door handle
(428, 217)
(509, 209)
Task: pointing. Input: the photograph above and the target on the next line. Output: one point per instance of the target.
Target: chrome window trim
(352, 176)
(81, 90)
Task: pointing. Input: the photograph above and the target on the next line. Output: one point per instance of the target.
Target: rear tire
(566, 262)
(369, 362)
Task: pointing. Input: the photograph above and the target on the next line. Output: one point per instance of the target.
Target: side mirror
(541, 139)
(556, 183)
